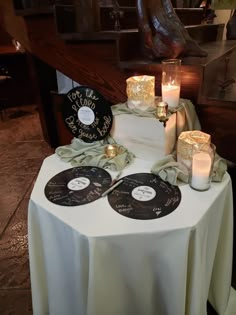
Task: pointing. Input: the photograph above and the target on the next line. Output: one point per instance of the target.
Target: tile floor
(21, 154)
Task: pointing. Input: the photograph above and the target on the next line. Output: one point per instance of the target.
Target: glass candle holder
(171, 82)
(202, 166)
(141, 92)
(189, 141)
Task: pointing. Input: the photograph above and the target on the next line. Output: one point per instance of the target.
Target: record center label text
(143, 193)
(78, 183)
(86, 115)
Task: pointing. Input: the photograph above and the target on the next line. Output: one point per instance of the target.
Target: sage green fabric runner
(80, 153)
(186, 119)
(123, 108)
(175, 173)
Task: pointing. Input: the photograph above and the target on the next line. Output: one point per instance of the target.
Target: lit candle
(201, 167)
(171, 82)
(170, 95)
(111, 150)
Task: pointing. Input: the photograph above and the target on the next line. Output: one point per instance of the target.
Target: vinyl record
(144, 196)
(77, 186)
(87, 114)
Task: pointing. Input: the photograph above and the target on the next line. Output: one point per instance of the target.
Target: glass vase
(171, 82)
(202, 166)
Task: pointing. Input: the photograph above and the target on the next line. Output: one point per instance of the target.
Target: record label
(78, 183)
(143, 193)
(77, 186)
(87, 114)
(144, 196)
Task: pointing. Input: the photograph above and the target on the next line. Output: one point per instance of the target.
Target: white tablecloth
(91, 260)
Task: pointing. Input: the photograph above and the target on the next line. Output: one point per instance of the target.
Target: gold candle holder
(141, 92)
(189, 141)
(111, 150)
(162, 112)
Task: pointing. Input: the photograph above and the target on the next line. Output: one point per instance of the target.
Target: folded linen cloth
(122, 108)
(186, 117)
(80, 153)
(176, 173)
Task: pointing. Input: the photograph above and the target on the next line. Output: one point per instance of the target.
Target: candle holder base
(200, 189)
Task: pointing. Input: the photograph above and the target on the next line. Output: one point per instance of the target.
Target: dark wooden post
(87, 15)
(44, 81)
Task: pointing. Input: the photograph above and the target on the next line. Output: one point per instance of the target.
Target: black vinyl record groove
(77, 186)
(144, 196)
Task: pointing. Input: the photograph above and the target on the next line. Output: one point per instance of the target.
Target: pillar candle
(170, 95)
(201, 167)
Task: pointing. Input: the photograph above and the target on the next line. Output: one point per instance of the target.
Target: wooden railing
(105, 66)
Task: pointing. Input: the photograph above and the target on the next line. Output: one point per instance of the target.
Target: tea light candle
(111, 150)
(201, 167)
(170, 95)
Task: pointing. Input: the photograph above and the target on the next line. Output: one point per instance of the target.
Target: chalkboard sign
(144, 196)
(87, 114)
(77, 186)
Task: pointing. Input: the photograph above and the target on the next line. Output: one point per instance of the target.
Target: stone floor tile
(14, 260)
(15, 302)
(20, 166)
(12, 190)
(26, 150)
(20, 128)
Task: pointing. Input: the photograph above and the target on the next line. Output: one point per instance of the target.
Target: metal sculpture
(163, 34)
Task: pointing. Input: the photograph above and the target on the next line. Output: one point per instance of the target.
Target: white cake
(146, 137)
